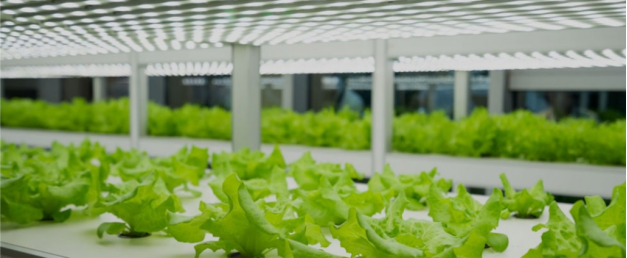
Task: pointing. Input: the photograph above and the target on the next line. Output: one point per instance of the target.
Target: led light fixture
(35, 28)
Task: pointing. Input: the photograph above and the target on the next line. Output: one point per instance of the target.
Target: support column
(246, 97)
(461, 99)
(496, 92)
(287, 94)
(99, 91)
(138, 96)
(382, 105)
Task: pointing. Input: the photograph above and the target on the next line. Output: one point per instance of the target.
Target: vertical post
(287, 94)
(382, 105)
(496, 92)
(99, 91)
(603, 100)
(461, 99)
(246, 97)
(138, 96)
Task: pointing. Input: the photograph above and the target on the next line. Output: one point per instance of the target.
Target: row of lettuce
(256, 211)
(519, 135)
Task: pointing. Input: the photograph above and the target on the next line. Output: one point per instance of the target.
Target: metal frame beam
(542, 41)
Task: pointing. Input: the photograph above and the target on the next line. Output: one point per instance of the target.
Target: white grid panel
(44, 28)
(488, 61)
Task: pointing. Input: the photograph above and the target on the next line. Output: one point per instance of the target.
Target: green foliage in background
(110, 117)
(518, 135)
(327, 128)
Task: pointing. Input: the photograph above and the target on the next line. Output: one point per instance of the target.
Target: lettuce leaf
(528, 202)
(416, 187)
(597, 231)
(462, 215)
(142, 206)
(359, 238)
(246, 229)
(39, 185)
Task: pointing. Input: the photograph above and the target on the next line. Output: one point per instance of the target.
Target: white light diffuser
(34, 28)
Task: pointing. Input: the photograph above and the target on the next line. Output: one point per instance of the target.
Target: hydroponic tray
(76, 238)
(559, 178)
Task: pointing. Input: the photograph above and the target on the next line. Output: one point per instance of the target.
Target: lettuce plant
(263, 175)
(519, 135)
(39, 185)
(416, 187)
(528, 203)
(142, 206)
(393, 236)
(597, 230)
(246, 228)
(358, 237)
(326, 191)
(188, 165)
(463, 216)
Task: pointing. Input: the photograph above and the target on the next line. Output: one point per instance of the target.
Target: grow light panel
(489, 61)
(45, 28)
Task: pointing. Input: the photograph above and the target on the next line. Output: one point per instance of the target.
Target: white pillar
(461, 99)
(99, 91)
(382, 105)
(287, 93)
(246, 97)
(138, 97)
(496, 92)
